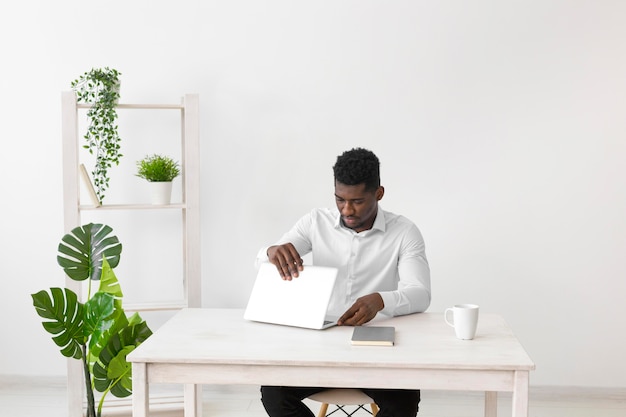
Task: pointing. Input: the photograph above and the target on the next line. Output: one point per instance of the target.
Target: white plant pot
(161, 192)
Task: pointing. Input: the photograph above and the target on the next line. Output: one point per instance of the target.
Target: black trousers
(287, 401)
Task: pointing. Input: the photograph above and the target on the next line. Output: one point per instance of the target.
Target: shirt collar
(379, 221)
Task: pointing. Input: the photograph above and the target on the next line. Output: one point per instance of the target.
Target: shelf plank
(147, 206)
(138, 106)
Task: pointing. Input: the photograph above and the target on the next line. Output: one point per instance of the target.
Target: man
(382, 268)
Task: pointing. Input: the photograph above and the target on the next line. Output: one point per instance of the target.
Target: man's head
(357, 188)
(358, 166)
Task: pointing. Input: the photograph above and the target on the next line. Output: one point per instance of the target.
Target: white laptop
(301, 302)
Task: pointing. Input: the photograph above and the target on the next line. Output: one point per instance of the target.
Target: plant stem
(104, 394)
(91, 406)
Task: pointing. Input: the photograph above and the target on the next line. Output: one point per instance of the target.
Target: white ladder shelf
(189, 208)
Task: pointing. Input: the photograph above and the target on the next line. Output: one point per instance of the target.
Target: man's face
(357, 206)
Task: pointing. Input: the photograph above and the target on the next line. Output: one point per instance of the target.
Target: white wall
(500, 127)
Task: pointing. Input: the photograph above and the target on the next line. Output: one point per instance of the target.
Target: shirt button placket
(354, 243)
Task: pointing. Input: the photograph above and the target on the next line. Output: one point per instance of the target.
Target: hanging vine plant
(101, 88)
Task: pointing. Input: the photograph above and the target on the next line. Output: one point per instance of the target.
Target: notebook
(301, 302)
(373, 336)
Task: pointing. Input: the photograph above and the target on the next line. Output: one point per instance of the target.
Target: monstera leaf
(98, 317)
(104, 314)
(112, 371)
(64, 319)
(81, 251)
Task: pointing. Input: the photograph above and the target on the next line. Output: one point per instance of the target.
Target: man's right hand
(287, 260)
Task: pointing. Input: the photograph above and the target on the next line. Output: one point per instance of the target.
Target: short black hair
(358, 166)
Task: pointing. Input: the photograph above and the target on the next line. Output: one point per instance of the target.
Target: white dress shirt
(389, 259)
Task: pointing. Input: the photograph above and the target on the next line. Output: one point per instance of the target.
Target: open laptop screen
(301, 302)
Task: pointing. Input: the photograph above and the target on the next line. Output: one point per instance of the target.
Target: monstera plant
(96, 331)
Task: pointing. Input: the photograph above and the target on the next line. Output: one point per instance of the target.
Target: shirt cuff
(261, 257)
(389, 301)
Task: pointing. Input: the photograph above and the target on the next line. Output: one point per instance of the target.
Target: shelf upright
(189, 208)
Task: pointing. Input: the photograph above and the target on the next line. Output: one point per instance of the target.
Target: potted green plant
(96, 331)
(160, 171)
(101, 88)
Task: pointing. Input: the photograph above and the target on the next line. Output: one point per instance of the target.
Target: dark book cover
(374, 336)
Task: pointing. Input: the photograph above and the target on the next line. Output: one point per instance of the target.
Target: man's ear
(380, 192)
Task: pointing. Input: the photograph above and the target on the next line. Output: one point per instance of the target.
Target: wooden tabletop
(424, 341)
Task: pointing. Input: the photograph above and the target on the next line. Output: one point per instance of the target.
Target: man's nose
(347, 209)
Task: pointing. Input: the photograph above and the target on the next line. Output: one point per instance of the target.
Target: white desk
(217, 346)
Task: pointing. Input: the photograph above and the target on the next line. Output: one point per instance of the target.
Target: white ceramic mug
(464, 320)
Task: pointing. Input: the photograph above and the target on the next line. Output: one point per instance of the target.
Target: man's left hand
(363, 310)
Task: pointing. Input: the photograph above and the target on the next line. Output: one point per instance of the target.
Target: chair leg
(324, 409)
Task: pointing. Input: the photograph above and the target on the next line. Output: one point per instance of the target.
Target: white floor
(45, 397)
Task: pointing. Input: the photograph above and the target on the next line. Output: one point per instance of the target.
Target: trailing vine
(100, 87)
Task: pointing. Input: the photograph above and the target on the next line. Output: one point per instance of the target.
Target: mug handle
(445, 316)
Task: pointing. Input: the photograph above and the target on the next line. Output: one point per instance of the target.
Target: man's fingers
(363, 310)
(348, 317)
(287, 261)
(293, 257)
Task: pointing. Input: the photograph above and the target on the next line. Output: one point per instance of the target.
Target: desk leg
(520, 394)
(140, 390)
(193, 400)
(491, 404)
